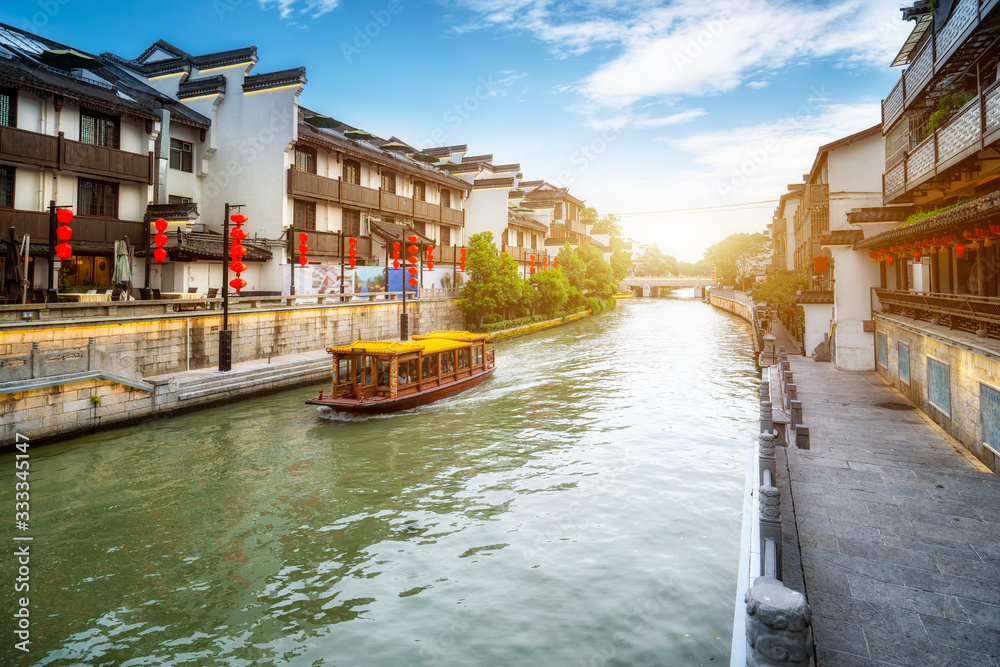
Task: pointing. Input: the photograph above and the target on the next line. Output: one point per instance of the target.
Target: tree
(655, 263)
(621, 260)
(599, 280)
(700, 268)
(551, 292)
(739, 257)
(610, 224)
(493, 287)
(778, 291)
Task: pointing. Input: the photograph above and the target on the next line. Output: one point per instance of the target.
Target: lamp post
(225, 335)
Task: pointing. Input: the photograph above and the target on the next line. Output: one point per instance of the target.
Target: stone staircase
(255, 377)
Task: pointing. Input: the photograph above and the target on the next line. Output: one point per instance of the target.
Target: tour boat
(372, 377)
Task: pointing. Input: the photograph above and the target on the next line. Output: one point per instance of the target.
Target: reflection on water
(580, 507)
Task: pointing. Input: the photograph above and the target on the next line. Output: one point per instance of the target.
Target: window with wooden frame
(520, 239)
(420, 227)
(8, 107)
(534, 241)
(98, 198)
(352, 172)
(558, 214)
(445, 197)
(388, 181)
(445, 235)
(304, 214)
(305, 159)
(177, 199)
(351, 224)
(7, 187)
(99, 129)
(181, 155)
(419, 190)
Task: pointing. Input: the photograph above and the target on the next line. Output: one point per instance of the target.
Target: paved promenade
(898, 529)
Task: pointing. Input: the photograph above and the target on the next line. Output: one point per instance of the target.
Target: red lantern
(395, 245)
(160, 240)
(916, 256)
(353, 262)
(238, 234)
(430, 248)
(238, 267)
(161, 225)
(352, 242)
(303, 248)
(889, 259)
(412, 249)
(413, 282)
(159, 254)
(532, 270)
(353, 252)
(238, 218)
(430, 265)
(64, 216)
(303, 260)
(555, 262)
(960, 250)
(395, 263)
(413, 270)
(237, 284)
(395, 254)
(64, 233)
(412, 238)
(64, 250)
(303, 238)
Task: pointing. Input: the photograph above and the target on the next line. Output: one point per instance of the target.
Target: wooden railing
(395, 204)
(956, 311)
(311, 186)
(328, 244)
(320, 188)
(58, 152)
(968, 131)
(86, 228)
(422, 209)
(937, 50)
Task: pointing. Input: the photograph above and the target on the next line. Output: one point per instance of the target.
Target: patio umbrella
(123, 265)
(430, 159)
(13, 276)
(320, 120)
(395, 146)
(69, 59)
(359, 135)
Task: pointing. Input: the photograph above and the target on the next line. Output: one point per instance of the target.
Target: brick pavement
(898, 529)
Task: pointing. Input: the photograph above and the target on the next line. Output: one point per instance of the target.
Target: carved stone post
(766, 415)
(802, 436)
(769, 506)
(91, 352)
(779, 626)
(795, 418)
(786, 379)
(765, 460)
(765, 390)
(768, 356)
(36, 360)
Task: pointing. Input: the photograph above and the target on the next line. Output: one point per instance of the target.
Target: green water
(581, 507)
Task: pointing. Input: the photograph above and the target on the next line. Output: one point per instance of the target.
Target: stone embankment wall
(739, 304)
(963, 397)
(152, 350)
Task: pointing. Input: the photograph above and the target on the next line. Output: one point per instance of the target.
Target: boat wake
(333, 415)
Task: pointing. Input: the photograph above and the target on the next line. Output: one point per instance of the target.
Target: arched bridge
(655, 285)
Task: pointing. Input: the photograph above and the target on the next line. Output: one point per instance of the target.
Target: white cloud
(673, 119)
(757, 85)
(289, 9)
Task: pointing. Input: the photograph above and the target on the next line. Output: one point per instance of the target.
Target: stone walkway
(898, 529)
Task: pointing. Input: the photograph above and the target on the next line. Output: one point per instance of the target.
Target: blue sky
(637, 106)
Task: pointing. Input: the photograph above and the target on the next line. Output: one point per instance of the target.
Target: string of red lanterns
(462, 261)
(430, 257)
(395, 254)
(532, 269)
(160, 240)
(237, 251)
(303, 249)
(413, 259)
(64, 233)
(353, 252)
(545, 263)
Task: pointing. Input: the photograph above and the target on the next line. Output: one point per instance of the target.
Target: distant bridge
(655, 285)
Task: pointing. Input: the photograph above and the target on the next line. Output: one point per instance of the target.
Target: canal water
(581, 507)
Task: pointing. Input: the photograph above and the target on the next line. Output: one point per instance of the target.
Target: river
(581, 507)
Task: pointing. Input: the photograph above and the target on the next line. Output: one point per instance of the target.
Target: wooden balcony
(451, 216)
(327, 245)
(524, 254)
(956, 311)
(425, 211)
(303, 185)
(969, 130)
(86, 228)
(933, 57)
(393, 204)
(58, 152)
(357, 195)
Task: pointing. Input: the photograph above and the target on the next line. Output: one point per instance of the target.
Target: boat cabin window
(477, 355)
(430, 367)
(343, 370)
(463, 358)
(407, 372)
(382, 366)
(363, 371)
(447, 362)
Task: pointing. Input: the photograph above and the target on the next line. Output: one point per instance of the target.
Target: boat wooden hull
(382, 405)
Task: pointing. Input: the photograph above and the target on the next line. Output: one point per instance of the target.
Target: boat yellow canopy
(436, 341)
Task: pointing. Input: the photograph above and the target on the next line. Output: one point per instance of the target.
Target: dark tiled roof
(524, 221)
(208, 85)
(880, 214)
(182, 60)
(393, 232)
(814, 296)
(506, 167)
(842, 237)
(482, 183)
(478, 158)
(208, 245)
(977, 210)
(446, 150)
(285, 77)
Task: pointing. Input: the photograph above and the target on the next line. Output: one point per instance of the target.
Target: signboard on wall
(904, 362)
(939, 385)
(882, 345)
